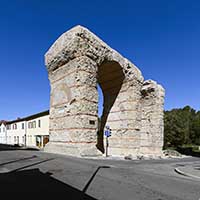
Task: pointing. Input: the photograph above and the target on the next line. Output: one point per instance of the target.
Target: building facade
(15, 132)
(37, 129)
(30, 131)
(2, 132)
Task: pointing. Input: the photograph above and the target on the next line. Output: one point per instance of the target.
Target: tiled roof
(29, 117)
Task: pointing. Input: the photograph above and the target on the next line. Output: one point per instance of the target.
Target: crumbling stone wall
(133, 108)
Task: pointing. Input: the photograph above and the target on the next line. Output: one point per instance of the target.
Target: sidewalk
(189, 170)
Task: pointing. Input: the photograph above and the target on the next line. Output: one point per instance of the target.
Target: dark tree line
(182, 127)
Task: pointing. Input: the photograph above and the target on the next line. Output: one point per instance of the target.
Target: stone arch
(110, 78)
(76, 62)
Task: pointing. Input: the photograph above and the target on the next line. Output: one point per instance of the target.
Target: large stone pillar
(73, 108)
(152, 126)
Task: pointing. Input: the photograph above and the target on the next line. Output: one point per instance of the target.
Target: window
(22, 125)
(39, 123)
(15, 139)
(8, 126)
(92, 122)
(14, 126)
(34, 124)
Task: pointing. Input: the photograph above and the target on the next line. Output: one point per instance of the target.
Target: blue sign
(107, 133)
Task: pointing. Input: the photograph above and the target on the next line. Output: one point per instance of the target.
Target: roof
(3, 122)
(41, 114)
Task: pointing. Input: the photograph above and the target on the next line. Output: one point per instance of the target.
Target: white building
(2, 132)
(16, 132)
(37, 127)
(31, 131)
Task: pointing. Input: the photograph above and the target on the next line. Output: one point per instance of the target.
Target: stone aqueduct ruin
(133, 108)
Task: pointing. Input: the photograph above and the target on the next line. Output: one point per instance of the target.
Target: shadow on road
(18, 160)
(37, 184)
(8, 147)
(92, 177)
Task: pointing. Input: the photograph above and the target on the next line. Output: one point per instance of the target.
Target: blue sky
(161, 37)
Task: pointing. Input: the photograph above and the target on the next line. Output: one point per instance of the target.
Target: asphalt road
(41, 175)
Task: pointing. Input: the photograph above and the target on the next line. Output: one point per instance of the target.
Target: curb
(185, 174)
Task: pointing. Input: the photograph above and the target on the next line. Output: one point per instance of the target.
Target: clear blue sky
(161, 37)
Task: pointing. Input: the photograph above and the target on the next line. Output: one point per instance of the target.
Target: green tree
(195, 129)
(182, 126)
(173, 129)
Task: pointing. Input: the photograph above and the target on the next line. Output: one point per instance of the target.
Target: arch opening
(100, 100)
(110, 78)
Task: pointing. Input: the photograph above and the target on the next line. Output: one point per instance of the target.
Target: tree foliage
(181, 127)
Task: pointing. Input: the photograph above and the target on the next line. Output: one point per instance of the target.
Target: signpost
(107, 133)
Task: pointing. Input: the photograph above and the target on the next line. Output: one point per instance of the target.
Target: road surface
(37, 174)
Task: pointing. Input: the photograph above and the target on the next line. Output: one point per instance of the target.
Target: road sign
(107, 133)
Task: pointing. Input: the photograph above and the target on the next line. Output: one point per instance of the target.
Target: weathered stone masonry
(133, 108)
